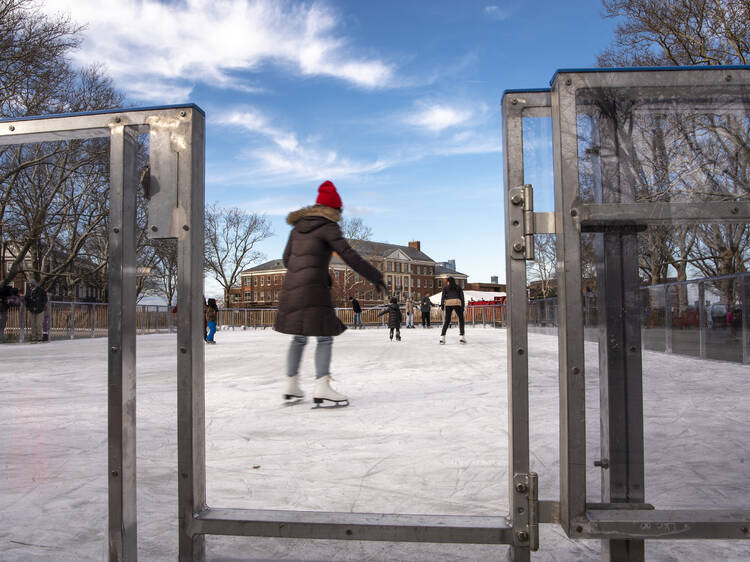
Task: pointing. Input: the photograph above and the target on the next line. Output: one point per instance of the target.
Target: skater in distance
(357, 310)
(452, 301)
(305, 305)
(211, 315)
(409, 312)
(426, 309)
(394, 318)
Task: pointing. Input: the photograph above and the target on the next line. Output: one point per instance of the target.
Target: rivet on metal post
(183, 113)
(114, 349)
(518, 246)
(154, 228)
(568, 81)
(118, 120)
(604, 463)
(514, 101)
(116, 230)
(521, 488)
(185, 227)
(523, 536)
(183, 350)
(517, 199)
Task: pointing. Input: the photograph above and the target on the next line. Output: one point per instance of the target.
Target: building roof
(364, 247)
(442, 270)
(273, 264)
(382, 249)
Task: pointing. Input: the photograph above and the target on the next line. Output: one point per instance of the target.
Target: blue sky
(397, 103)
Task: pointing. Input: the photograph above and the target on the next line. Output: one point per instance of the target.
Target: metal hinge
(521, 214)
(526, 518)
(525, 223)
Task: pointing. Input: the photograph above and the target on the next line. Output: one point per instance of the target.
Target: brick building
(61, 288)
(407, 271)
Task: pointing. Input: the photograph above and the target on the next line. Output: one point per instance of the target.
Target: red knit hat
(328, 196)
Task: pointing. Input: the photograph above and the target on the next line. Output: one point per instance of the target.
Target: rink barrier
(670, 321)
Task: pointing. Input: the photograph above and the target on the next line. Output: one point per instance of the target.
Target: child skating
(394, 318)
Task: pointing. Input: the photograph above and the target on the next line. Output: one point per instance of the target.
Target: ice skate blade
(334, 403)
(293, 401)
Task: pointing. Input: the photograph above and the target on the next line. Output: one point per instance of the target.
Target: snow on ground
(426, 433)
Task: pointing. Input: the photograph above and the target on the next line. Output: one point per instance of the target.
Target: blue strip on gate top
(646, 68)
(103, 111)
(526, 91)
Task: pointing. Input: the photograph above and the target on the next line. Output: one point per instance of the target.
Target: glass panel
(662, 144)
(537, 161)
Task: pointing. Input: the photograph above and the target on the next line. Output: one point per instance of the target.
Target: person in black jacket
(305, 305)
(394, 318)
(36, 302)
(426, 308)
(452, 301)
(357, 309)
(8, 298)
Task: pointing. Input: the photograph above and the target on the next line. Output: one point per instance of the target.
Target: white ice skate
(293, 392)
(461, 339)
(324, 393)
(442, 340)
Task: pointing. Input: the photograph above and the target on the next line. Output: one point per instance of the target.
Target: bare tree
(678, 32)
(683, 155)
(543, 269)
(355, 229)
(165, 268)
(230, 239)
(52, 195)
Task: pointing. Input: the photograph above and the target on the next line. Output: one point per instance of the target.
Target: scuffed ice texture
(426, 433)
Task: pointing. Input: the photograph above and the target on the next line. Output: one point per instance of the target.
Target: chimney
(415, 244)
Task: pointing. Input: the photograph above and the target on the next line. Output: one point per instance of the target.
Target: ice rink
(425, 433)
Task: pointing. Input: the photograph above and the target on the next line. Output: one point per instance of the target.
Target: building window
(439, 283)
(390, 280)
(255, 281)
(398, 281)
(275, 279)
(406, 282)
(388, 266)
(430, 283)
(419, 282)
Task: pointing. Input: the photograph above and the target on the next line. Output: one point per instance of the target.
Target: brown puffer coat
(305, 306)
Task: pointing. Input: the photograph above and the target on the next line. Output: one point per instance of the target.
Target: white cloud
(436, 117)
(288, 158)
(497, 13)
(179, 44)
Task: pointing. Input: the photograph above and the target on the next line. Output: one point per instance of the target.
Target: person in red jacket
(305, 305)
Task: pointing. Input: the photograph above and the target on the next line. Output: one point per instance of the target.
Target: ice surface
(426, 433)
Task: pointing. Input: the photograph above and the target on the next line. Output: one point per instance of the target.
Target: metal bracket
(526, 520)
(167, 139)
(521, 214)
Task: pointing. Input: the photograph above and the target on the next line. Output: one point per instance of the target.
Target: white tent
(470, 296)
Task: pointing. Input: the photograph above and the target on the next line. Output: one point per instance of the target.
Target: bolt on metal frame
(623, 520)
(176, 205)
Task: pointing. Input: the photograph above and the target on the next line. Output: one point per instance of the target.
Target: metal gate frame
(625, 520)
(175, 189)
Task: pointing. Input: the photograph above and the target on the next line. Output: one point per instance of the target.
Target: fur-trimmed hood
(333, 215)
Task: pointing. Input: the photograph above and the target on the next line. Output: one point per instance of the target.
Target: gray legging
(322, 355)
(449, 313)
